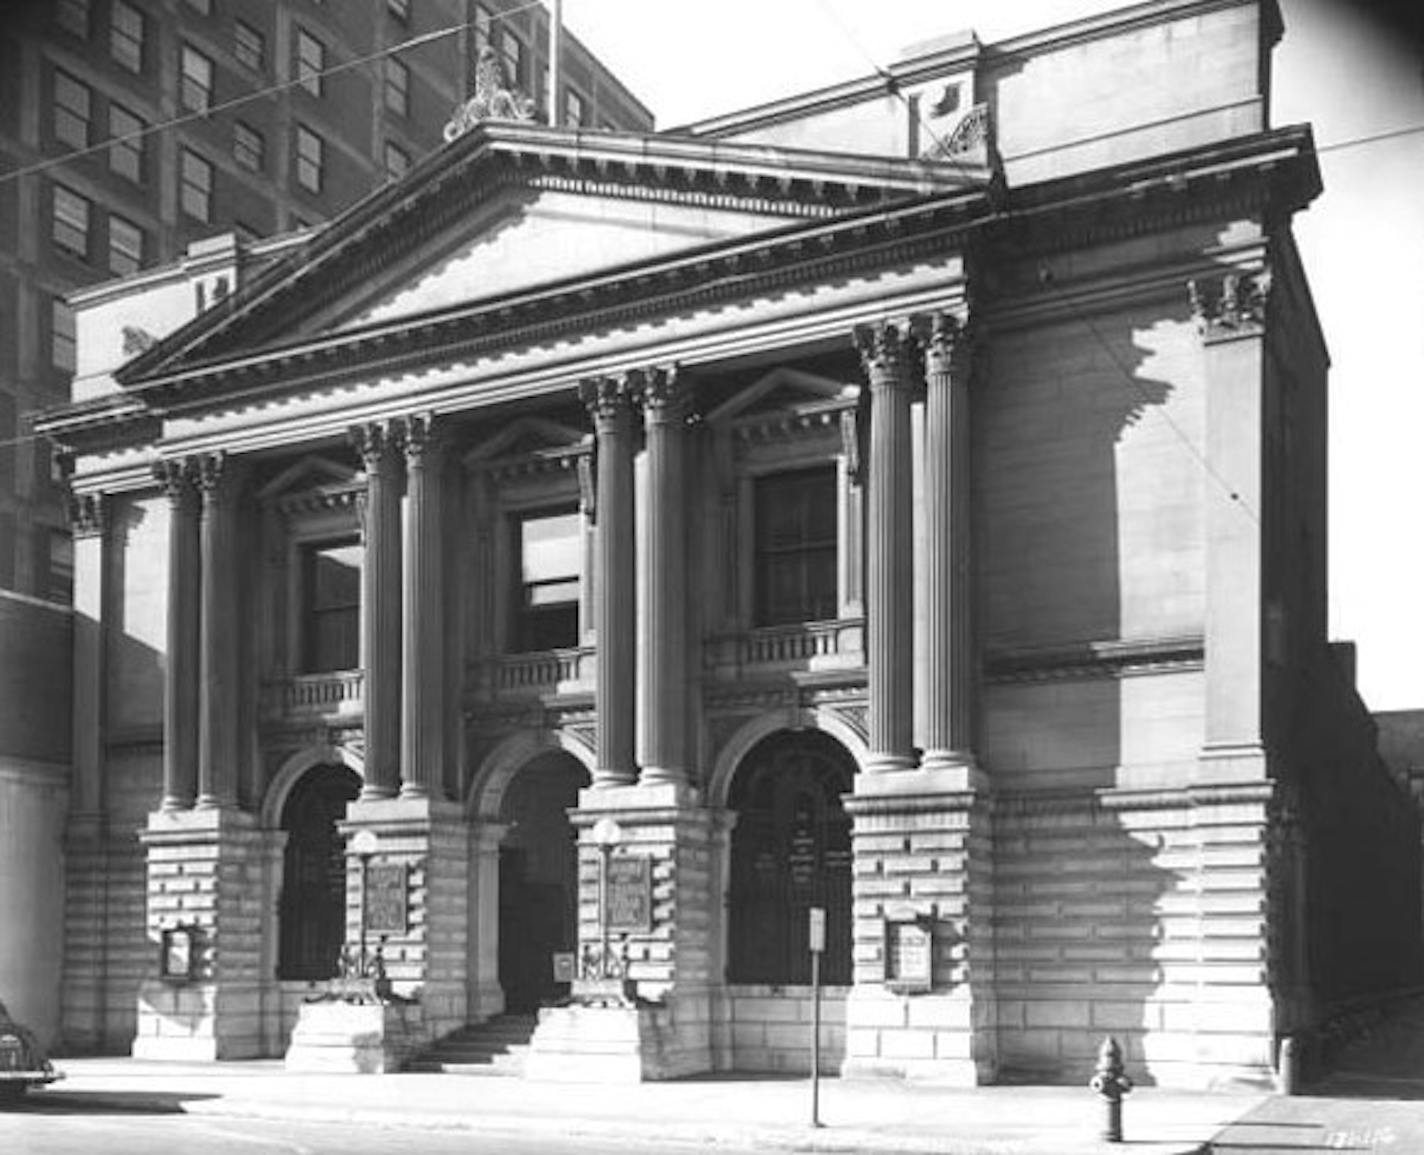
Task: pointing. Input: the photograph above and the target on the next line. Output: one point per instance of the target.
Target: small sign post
(817, 937)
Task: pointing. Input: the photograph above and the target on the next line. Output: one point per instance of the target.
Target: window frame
(399, 91)
(118, 146)
(821, 552)
(205, 189)
(307, 164)
(131, 258)
(195, 91)
(122, 41)
(306, 73)
(249, 147)
(81, 234)
(66, 116)
(249, 46)
(309, 661)
(511, 68)
(530, 620)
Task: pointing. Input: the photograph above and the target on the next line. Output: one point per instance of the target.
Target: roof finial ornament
(494, 98)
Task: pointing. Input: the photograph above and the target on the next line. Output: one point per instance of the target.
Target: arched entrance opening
(538, 879)
(312, 907)
(790, 851)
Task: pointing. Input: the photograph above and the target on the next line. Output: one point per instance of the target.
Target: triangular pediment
(528, 436)
(310, 474)
(517, 213)
(785, 390)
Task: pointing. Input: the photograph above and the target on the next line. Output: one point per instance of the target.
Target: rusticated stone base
(618, 1044)
(354, 1038)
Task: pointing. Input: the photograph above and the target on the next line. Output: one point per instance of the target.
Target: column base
(889, 763)
(347, 1038)
(620, 1042)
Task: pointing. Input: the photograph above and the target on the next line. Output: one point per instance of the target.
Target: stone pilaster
(949, 670)
(180, 686)
(204, 867)
(88, 520)
(423, 665)
(664, 720)
(381, 607)
(1230, 313)
(889, 552)
(486, 995)
(218, 656)
(609, 400)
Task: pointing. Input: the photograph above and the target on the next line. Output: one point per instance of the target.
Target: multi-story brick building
(131, 129)
(905, 500)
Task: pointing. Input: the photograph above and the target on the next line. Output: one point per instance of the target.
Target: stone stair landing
(495, 1047)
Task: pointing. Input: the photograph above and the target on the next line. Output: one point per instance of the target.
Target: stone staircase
(495, 1047)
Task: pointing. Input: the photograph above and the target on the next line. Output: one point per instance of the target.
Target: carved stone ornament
(661, 394)
(494, 99)
(87, 514)
(175, 476)
(611, 398)
(970, 135)
(945, 339)
(376, 442)
(885, 350)
(1234, 304)
(136, 340)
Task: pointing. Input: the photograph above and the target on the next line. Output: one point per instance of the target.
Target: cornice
(1116, 658)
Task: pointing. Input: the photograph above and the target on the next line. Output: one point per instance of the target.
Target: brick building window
(795, 547)
(73, 17)
(249, 46)
(575, 110)
(331, 601)
(195, 185)
(550, 550)
(62, 341)
(310, 61)
(310, 158)
(397, 87)
(483, 24)
(126, 35)
(196, 87)
(397, 161)
(70, 226)
(126, 151)
(511, 51)
(125, 247)
(72, 103)
(249, 148)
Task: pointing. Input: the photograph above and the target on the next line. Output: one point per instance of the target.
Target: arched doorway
(538, 879)
(790, 851)
(312, 907)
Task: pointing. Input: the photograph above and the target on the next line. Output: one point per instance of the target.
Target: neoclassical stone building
(906, 499)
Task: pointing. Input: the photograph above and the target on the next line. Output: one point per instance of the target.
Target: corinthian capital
(88, 515)
(175, 476)
(377, 442)
(664, 394)
(885, 350)
(1233, 304)
(947, 340)
(420, 436)
(611, 398)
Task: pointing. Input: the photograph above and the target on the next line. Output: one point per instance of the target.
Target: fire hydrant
(1111, 1083)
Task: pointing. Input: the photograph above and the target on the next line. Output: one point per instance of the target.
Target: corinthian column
(423, 668)
(180, 686)
(949, 669)
(217, 693)
(381, 606)
(890, 604)
(609, 400)
(664, 635)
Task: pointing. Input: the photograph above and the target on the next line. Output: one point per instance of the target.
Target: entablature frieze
(1108, 658)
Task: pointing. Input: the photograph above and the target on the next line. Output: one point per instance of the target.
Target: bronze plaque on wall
(909, 956)
(386, 898)
(630, 893)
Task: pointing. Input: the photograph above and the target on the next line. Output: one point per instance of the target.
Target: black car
(23, 1063)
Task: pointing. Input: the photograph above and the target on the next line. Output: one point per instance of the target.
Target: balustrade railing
(834, 644)
(548, 671)
(338, 692)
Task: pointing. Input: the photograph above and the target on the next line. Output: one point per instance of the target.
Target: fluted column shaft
(218, 691)
(180, 687)
(609, 400)
(890, 592)
(422, 668)
(949, 669)
(381, 607)
(664, 633)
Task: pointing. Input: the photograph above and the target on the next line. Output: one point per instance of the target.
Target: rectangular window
(511, 50)
(70, 227)
(71, 110)
(249, 148)
(125, 247)
(311, 62)
(196, 86)
(57, 549)
(126, 153)
(126, 35)
(575, 111)
(195, 185)
(331, 599)
(249, 46)
(73, 17)
(795, 547)
(550, 550)
(397, 161)
(309, 159)
(61, 335)
(400, 9)
(483, 24)
(397, 87)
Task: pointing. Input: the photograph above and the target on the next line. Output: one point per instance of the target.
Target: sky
(1351, 69)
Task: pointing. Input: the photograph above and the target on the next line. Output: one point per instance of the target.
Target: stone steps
(496, 1047)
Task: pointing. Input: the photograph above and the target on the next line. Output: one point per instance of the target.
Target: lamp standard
(605, 837)
(364, 843)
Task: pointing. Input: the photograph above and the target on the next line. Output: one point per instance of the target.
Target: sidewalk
(857, 1115)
